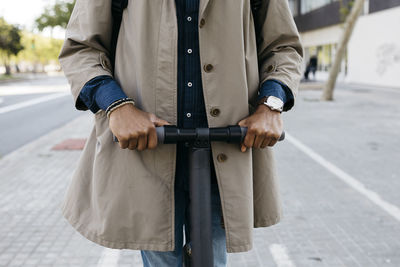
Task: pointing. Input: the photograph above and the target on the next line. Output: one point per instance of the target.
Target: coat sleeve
(85, 51)
(279, 50)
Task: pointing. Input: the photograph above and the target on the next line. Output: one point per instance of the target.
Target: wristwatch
(273, 102)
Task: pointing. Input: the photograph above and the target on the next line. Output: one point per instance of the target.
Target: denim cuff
(277, 89)
(100, 92)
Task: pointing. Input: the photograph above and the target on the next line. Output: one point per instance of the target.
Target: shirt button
(189, 84)
(189, 18)
(188, 115)
(189, 51)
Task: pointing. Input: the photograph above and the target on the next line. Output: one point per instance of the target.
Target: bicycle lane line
(31, 102)
(109, 258)
(391, 209)
(280, 255)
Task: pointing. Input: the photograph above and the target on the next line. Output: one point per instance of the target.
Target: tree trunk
(8, 69)
(7, 64)
(350, 22)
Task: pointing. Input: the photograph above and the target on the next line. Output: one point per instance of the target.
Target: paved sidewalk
(32, 182)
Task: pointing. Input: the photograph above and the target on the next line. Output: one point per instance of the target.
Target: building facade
(373, 53)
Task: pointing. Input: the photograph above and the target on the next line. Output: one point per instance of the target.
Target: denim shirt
(101, 91)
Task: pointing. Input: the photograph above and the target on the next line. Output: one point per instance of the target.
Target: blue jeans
(182, 215)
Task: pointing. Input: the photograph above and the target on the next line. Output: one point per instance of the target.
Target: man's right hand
(134, 128)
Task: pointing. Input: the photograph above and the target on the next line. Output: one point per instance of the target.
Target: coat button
(202, 22)
(221, 157)
(270, 68)
(208, 67)
(104, 64)
(215, 112)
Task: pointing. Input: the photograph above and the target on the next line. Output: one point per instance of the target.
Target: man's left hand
(264, 127)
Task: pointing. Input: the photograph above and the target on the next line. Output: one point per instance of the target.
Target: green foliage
(56, 15)
(10, 39)
(39, 49)
(345, 8)
(10, 42)
(17, 46)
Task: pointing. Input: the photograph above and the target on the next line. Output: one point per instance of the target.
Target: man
(192, 63)
(312, 66)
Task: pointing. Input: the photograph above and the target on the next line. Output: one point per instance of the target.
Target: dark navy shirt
(191, 106)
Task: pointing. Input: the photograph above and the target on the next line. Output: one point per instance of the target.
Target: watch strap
(262, 100)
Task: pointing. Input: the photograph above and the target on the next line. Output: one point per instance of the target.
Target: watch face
(274, 102)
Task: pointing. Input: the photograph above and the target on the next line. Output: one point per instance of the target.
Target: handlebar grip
(282, 136)
(161, 134)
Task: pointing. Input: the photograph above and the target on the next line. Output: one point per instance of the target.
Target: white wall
(374, 49)
(322, 36)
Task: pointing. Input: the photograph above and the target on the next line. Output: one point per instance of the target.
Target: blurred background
(339, 167)
(373, 53)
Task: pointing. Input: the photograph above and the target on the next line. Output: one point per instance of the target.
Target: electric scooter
(200, 252)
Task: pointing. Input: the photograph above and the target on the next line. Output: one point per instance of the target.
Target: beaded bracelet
(118, 104)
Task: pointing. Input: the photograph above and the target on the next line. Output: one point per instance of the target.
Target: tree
(56, 15)
(348, 30)
(10, 42)
(39, 49)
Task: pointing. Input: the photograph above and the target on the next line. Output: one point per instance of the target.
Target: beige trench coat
(124, 199)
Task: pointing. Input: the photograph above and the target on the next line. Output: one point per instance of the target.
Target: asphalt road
(31, 108)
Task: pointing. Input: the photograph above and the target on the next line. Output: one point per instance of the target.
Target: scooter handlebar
(170, 134)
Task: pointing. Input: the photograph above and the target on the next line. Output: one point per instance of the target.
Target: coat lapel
(202, 7)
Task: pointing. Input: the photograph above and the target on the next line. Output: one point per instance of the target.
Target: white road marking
(25, 88)
(280, 255)
(391, 209)
(31, 102)
(109, 258)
